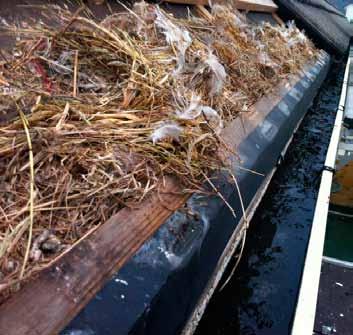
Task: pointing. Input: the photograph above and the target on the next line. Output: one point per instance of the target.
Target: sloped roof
(325, 21)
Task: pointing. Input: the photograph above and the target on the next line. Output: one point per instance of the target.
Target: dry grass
(106, 110)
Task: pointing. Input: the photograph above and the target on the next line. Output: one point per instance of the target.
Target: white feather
(174, 35)
(171, 130)
(219, 73)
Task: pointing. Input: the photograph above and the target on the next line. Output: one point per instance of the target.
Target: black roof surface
(324, 21)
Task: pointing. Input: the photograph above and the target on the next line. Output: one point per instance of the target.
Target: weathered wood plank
(46, 304)
(189, 2)
(204, 13)
(256, 5)
(278, 19)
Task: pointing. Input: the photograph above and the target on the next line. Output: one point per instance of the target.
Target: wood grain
(247, 5)
(46, 304)
(256, 5)
(278, 19)
(189, 2)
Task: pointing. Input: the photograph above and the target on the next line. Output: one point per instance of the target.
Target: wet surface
(261, 297)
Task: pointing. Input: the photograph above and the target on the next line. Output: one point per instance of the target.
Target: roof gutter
(304, 317)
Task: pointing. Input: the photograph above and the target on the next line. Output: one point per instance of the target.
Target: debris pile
(103, 111)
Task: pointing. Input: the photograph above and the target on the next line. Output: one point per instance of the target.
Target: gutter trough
(307, 300)
(166, 286)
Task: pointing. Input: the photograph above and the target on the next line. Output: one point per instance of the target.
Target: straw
(108, 109)
(31, 193)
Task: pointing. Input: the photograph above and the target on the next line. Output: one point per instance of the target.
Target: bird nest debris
(103, 111)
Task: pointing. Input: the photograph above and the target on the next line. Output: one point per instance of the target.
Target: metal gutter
(306, 307)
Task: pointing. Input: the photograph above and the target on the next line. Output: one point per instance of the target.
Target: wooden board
(278, 19)
(46, 304)
(248, 5)
(256, 5)
(190, 2)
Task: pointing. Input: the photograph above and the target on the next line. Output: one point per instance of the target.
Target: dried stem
(114, 107)
(31, 192)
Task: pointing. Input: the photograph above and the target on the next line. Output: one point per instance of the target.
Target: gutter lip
(304, 317)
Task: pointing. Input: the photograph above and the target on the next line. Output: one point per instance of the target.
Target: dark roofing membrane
(324, 22)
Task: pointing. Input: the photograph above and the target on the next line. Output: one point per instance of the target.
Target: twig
(75, 74)
(31, 191)
(3, 57)
(245, 219)
(219, 194)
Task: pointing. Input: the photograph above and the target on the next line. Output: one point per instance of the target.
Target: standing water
(261, 297)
